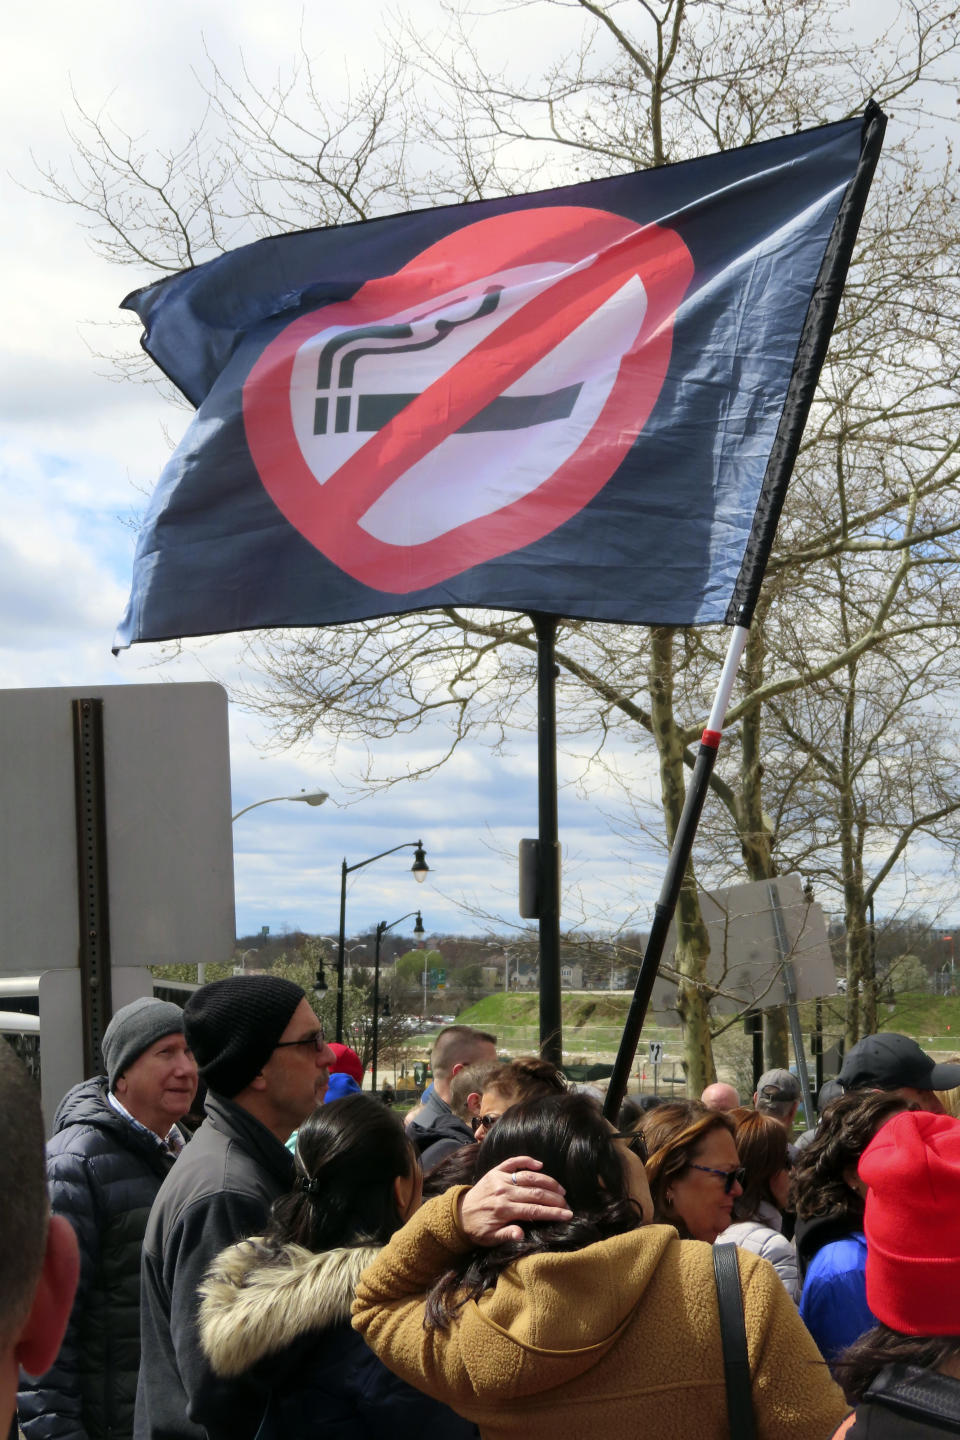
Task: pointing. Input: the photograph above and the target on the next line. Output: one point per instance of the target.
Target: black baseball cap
(887, 1062)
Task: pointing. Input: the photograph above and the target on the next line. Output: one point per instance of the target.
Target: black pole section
(93, 888)
(341, 941)
(662, 915)
(548, 858)
(376, 1005)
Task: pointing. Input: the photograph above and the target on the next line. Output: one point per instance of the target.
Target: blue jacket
(834, 1301)
(285, 1320)
(103, 1174)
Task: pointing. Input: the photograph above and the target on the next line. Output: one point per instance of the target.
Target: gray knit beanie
(233, 1025)
(134, 1029)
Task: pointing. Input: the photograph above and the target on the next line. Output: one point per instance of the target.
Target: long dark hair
(862, 1361)
(576, 1146)
(349, 1153)
(762, 1148)
(457, 1168)
(849, 1124)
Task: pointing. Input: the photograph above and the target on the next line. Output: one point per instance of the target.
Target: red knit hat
(912, 1223)
(348, 1062)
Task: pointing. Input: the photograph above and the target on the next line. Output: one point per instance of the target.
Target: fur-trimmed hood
(253, 1306)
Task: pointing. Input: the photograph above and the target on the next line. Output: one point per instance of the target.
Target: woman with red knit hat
(905, 1374)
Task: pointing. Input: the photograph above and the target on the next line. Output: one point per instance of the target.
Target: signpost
(656, 1059)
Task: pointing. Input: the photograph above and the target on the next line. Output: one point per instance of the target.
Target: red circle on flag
(472, 402)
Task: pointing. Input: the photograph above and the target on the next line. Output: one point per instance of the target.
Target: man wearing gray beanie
(115, 1139)
(260, 1049)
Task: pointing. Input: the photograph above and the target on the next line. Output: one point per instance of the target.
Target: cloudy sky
(80, 449)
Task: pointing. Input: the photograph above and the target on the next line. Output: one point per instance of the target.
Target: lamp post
(309, 797)
(419, 869)
(382, 929)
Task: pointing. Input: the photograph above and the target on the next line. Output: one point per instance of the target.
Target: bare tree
(870, 521)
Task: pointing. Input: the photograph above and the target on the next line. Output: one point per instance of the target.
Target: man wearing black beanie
(260, 1049)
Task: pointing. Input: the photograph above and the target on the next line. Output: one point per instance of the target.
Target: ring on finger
(515, 1177)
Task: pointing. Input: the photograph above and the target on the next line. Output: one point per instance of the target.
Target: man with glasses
(260, 1049)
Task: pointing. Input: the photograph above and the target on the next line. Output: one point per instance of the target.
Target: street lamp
(309, 797)
(420, 870)
(382, 929)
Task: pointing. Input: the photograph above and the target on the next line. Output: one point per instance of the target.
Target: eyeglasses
(636, 1143)
(315, 1038)
(729, 1177)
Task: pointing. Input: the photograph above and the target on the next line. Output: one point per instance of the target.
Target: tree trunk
(693, 945)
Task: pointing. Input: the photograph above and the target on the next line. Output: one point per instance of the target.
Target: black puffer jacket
(103, 1175)
(286, 1319)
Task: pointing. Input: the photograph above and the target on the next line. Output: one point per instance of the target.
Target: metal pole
(818, 1044)
(376, 1006)
(93, 888)
(673, 879)
(548, 850)
(344, 870)
(790, 990)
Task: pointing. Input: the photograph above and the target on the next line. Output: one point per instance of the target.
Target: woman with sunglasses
(528, 1078)
(761, 1143)
(694, 1170)
(583, 1319)
(503, 1085)
(277, 1307)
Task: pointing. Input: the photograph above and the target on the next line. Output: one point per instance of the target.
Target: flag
(585, 401)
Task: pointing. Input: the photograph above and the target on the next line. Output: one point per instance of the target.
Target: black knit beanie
(232, 1026)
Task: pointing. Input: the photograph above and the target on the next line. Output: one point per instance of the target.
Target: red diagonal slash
(616, 249)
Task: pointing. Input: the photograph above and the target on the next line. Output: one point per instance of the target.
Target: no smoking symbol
(472, 402)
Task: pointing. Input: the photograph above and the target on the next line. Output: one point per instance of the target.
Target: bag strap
(733, 1338)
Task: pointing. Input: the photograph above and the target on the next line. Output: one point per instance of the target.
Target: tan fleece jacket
(618, 1341)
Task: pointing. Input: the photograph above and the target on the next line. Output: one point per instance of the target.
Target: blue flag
(584, 402)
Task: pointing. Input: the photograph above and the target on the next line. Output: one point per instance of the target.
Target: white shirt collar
(172, 1141)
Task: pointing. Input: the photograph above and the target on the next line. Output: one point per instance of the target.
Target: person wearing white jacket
(757, 1219)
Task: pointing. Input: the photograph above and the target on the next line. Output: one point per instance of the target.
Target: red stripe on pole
(711, 738)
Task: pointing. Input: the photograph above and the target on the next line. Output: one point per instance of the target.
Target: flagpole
(548, 848)
(673, 879)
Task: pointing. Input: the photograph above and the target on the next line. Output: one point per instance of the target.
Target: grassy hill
(593, 1024)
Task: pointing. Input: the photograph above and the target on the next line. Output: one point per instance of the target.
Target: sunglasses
(729, 1177)
(487, 1121)
(636, 1143)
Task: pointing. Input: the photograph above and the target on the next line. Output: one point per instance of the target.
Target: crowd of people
(301, 1263)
